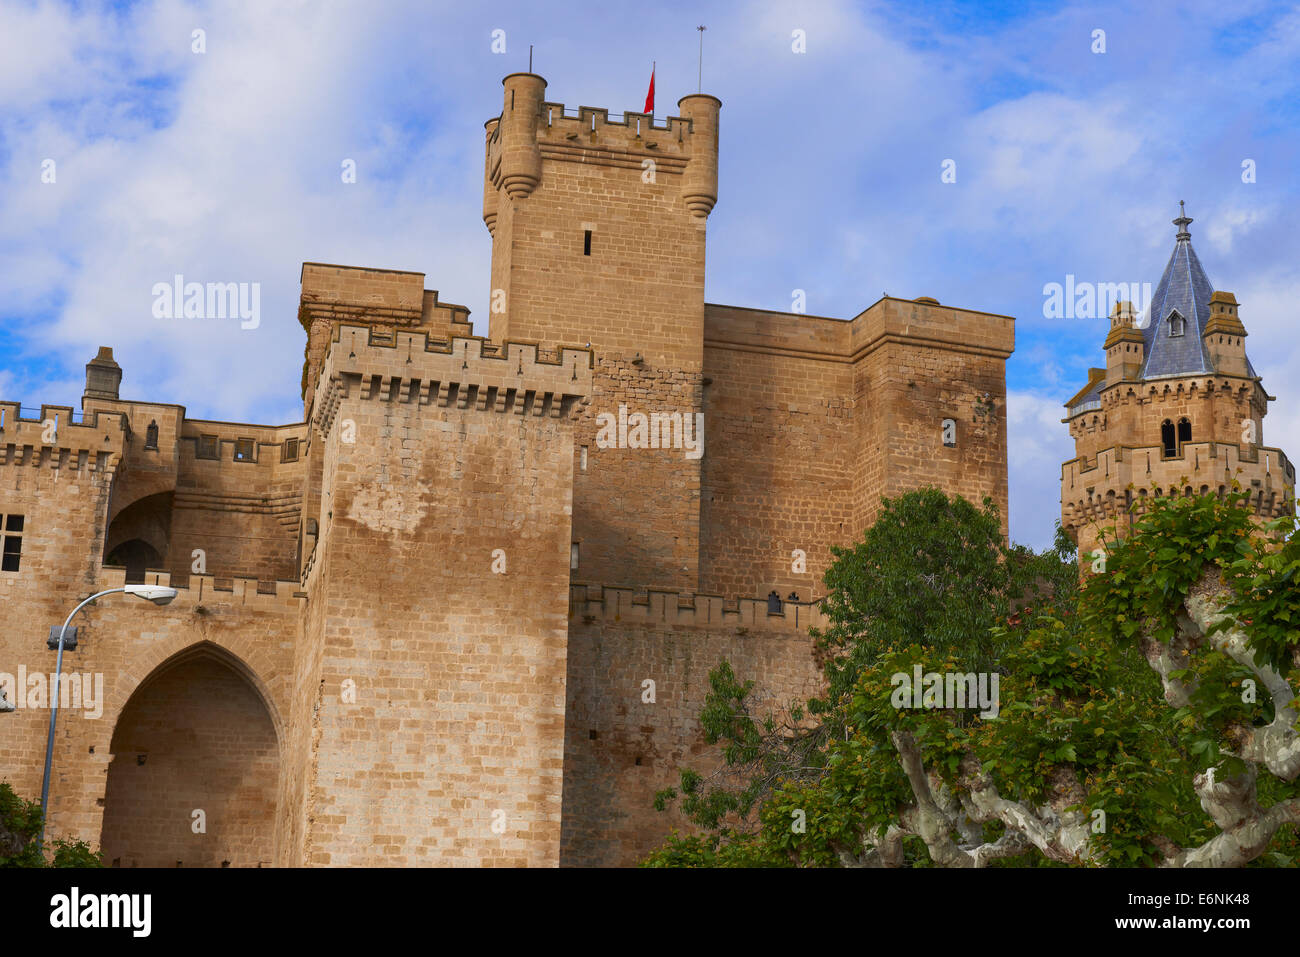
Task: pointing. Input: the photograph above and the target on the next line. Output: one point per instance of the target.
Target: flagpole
(700, 87)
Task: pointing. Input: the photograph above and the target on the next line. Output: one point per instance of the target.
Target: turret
(1125, 349)
(700, 181)
(1178, 410)
(489, 188)
(1225, 336)
(521, 158)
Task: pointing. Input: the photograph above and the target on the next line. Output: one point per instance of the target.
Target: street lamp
(159, 595)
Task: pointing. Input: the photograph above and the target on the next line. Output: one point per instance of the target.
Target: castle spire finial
(1182, 222)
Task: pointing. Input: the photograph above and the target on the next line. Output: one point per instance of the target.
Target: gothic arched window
(1184, 431)
(1167, 438)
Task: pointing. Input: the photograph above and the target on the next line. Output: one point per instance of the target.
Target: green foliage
(1147, 577)
(932, 584)
(1148, 574)
(810, 758)
(20, 826)
(20, 823)
(1266, 585)
(932, 570)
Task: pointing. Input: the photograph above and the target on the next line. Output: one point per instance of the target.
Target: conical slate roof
(1184, 291)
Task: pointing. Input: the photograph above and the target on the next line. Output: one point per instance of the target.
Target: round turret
(700, 181)
(521, 160)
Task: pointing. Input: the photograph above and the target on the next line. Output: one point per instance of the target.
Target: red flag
(650, 94)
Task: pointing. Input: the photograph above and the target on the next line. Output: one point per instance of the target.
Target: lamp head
(158, 594)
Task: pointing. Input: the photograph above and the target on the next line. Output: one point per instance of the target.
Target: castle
(1178, 410)
(464, 612)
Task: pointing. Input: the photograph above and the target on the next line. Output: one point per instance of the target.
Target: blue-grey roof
(1092, 395)
(1183, 289)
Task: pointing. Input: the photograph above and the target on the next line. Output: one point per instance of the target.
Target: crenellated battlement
(681, 609)
(531, 130)
(589, 127)
(589, 135)
(1107, 484)
(56, 439)
(1136, 392)
(210, 592)
(514, 377)
(1193, 456)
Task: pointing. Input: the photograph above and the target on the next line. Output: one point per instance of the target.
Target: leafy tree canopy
(1147, 719)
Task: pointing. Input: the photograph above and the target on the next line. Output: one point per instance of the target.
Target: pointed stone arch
(194, 773)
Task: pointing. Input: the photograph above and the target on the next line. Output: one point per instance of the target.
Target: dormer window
(1177, 324)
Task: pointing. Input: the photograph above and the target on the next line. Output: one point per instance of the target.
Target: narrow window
(243, 450)
(1177, 324)
(573, 557)
(586, 242)
(1184, 432)
(11, 550)
(151, 437)
(1167, 438)
(289, 453)
(582, 459)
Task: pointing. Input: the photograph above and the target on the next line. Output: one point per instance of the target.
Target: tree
(1165, 687)
(932, 571)
(20, 824)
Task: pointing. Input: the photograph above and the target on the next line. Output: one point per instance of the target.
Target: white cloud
(1037, 444)
(1234, 223)
(225, 167)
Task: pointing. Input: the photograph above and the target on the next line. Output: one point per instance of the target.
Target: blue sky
(224, 166)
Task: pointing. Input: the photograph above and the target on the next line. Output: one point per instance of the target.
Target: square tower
(598, 234)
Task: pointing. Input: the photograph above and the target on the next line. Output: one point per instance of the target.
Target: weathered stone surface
(381, 652)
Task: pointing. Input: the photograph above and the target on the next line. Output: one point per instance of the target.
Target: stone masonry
(1178, 411)
(416, 628)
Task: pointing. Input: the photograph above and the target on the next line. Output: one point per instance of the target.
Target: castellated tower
(598, 232)
(428, 703)
(1178, 410)
(464, 611)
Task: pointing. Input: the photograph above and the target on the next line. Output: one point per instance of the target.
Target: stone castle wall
(355, 657)
(620, 747)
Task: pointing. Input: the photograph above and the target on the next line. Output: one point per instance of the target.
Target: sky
(128, 156)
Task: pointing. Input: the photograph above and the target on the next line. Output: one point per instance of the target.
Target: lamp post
(159, 595)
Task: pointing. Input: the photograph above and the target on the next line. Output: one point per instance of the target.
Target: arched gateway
(193, 777)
